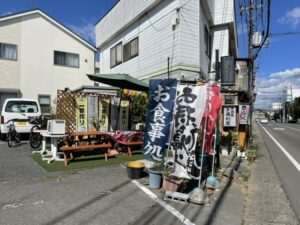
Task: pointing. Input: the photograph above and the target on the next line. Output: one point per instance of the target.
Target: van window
(21, 107)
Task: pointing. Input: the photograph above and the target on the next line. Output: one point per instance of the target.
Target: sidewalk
(266, 202)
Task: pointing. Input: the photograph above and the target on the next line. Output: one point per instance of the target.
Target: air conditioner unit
(56, 126)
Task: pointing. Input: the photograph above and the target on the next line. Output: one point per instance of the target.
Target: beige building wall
(34, 72)
(10, 33)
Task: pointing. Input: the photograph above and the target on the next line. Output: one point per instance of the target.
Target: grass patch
(87, 160)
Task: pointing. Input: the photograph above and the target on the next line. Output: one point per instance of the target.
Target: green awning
(123, 81)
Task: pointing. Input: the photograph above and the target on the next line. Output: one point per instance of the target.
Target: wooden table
(86, 141)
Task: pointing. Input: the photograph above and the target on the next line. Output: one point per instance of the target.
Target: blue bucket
(155, 179)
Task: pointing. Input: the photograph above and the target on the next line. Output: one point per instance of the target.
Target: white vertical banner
(229, 114)
(244, 114)
(189, 109)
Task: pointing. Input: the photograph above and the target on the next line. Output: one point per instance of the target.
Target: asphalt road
(283, 143)
(100, 196)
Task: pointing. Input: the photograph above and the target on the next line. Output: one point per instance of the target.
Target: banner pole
(204, 136)
(172, 126)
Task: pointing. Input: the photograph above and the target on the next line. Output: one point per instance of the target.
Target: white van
(19, 108)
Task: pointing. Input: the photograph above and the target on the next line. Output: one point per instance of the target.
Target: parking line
(291, 158)
(169, 208)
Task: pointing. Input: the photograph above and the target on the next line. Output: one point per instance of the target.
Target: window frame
(131, 56)
(2, 58)
(66, 53)
(43, 106)
(115, 48)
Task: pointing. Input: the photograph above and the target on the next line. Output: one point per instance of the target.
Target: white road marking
(279, 128)
(288, 127)
(293, 161)
(171, 209)
(38, 202)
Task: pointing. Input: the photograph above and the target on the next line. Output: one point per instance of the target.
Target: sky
(278, 65)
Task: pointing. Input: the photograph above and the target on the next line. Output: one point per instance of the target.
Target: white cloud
(270, 89)
(6, 13)
(291, 18)
(86, 30)
(287, 73)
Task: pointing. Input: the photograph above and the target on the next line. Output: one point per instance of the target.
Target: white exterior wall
(221, 42)
(223, 12)
(124, 12)
(223, 18)
(158, 41)
(35, 69)
(10, 33)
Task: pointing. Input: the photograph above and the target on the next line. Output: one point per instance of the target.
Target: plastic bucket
(155, 179)
(135, 170)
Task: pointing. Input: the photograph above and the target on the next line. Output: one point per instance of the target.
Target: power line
(283, 34)
(267, 31)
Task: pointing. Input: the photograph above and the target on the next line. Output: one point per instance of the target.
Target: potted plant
(171, 182)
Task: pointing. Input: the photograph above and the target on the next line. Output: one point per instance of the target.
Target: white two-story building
(160, 38)
(38, 56)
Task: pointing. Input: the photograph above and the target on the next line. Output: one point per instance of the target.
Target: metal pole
(250, 72)
(217, 71)
(168, 67)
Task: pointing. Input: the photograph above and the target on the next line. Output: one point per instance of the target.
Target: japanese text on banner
(160, 113)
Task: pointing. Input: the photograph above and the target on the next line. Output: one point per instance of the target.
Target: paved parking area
(16, 163)
(103, 195)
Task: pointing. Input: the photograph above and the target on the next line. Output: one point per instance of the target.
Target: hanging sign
(229, 116)
(160, 113)
(81, 114)
(123, 115)
(189, 109)
(103, 114)
(244, 111)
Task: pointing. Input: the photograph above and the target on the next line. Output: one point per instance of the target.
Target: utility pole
(253, 11)
(251, 62)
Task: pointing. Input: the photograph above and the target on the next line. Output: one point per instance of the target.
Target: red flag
(213, 108)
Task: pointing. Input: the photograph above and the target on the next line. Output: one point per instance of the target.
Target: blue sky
(279, 64)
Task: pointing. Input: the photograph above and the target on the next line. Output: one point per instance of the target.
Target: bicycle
(12, 135)
(40, 123)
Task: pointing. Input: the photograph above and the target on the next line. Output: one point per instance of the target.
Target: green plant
(138, 108)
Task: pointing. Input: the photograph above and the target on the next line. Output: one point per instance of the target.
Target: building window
(8, 51)
(45, 103)
(131, 49)
(116, 55)
(66, 59)
(207, 41)
(229, 99)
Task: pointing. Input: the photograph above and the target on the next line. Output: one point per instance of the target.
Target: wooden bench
(129, 145)
(68, 150)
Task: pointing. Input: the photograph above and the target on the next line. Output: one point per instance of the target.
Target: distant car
(264, 121)
(292, 121)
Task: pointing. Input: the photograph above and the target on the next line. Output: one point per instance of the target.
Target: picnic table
(128, 139)
(86, 141)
